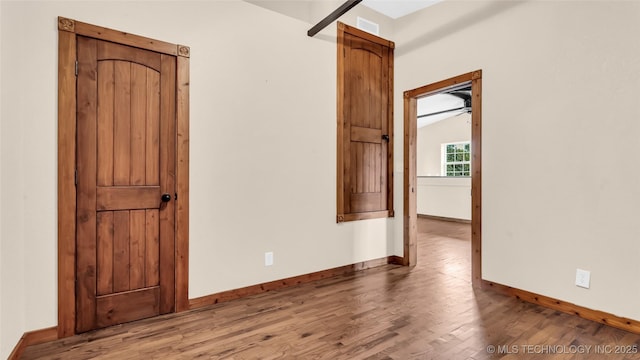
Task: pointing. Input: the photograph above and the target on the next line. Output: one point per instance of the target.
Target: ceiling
(444, 105)
(398, 8)
(303, 10)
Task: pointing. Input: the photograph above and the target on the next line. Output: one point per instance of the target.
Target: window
(456, 159)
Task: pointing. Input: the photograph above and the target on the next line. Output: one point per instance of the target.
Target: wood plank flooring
(390, 312)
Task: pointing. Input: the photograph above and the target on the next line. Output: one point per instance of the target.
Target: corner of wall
(3, 351)
(1, 237)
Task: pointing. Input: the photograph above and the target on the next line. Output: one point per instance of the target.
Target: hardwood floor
(390, 312)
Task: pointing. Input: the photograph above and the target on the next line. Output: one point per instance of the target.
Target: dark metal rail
(333, 16)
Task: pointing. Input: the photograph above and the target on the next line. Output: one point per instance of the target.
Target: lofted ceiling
(398, 8)
(444, 105)
(437, 107)
(431, 108)
(303, 9)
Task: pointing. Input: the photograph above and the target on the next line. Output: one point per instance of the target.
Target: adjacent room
(444, 155)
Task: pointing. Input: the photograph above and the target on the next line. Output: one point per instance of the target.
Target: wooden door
(125, 162)
(366, 124)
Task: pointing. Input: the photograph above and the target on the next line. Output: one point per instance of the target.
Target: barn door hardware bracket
(333, 16)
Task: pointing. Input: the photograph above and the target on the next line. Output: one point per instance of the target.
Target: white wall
(262, 149)
(444, 197)
(1, 189)
(14, 245)
(438, 196)
(430, 140)
(559, 83)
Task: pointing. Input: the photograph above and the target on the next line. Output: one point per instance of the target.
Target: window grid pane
(457, 159)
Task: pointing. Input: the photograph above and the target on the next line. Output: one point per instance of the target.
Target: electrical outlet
(268, 258)
(583, 278)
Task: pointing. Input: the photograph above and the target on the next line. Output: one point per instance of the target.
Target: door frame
(410, 232)
(68, 30)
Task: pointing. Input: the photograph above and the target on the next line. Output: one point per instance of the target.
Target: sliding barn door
(125, 186)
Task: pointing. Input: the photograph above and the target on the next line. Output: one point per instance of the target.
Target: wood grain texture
(168, 183)
(152, 248)
(602, 317)
(184, 51)
(137, 249)
(118, 253)
(364, 117)
(441, 85)
(98, 32)
(69, 29)
(430, 311)
(122, 124)
(182, 183)
(366, 100)
(124, 307)
(106, 91)
(127, 197)
(476, 178)
(105, 253)
(121, 265)
(86, 188)
(444, 218)
(143, 58)
(410, 165)
(410, 231)
(283, 283)
(138, 145)
(395, 260)
(362, 134)
(66, 183)
(390, 144)
(152, 135)
(65, 24)
(340, 124)
(33, 338)
(366, 215)
(366, 200)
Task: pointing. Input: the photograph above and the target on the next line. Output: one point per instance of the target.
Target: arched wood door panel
(365, 125)
(126, 133)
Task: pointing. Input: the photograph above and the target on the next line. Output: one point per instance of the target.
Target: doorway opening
(474, 79)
